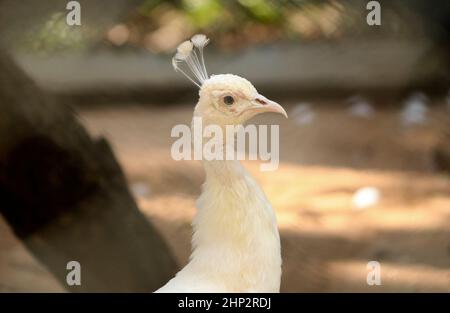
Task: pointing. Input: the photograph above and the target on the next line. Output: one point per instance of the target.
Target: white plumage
(236, 244)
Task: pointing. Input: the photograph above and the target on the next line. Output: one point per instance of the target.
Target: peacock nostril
(260, 101)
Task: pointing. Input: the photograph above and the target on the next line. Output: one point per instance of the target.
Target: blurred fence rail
(284, 69)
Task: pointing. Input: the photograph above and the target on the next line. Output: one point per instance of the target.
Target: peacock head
(225, 99)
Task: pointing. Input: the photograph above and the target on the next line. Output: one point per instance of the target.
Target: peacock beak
(261, 105)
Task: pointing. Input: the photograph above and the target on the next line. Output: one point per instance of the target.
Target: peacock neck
(224, 172)
(235, 232)
(217, 152)
(235, 236)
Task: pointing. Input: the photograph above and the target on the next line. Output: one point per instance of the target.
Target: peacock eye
(228, 100)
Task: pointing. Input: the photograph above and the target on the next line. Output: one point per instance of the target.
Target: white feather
(200, 40)
(186, 52)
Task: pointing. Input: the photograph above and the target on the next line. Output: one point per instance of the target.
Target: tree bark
(64, 194)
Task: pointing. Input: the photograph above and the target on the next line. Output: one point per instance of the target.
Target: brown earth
(326, 242)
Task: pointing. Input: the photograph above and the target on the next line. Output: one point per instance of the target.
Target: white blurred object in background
(360, 107)
(140, 190)
(415, 110)
(303, 114)
(366, 197)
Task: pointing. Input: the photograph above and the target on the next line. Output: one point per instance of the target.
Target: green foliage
(159, 25)
(262, 10)
(147, 6)
(203, 13)
(55, 35)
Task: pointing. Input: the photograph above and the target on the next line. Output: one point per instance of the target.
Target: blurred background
(364, 156)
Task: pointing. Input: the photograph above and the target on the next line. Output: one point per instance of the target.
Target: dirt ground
(326, 241)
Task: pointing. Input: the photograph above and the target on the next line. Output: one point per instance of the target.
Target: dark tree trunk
(64, 194)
